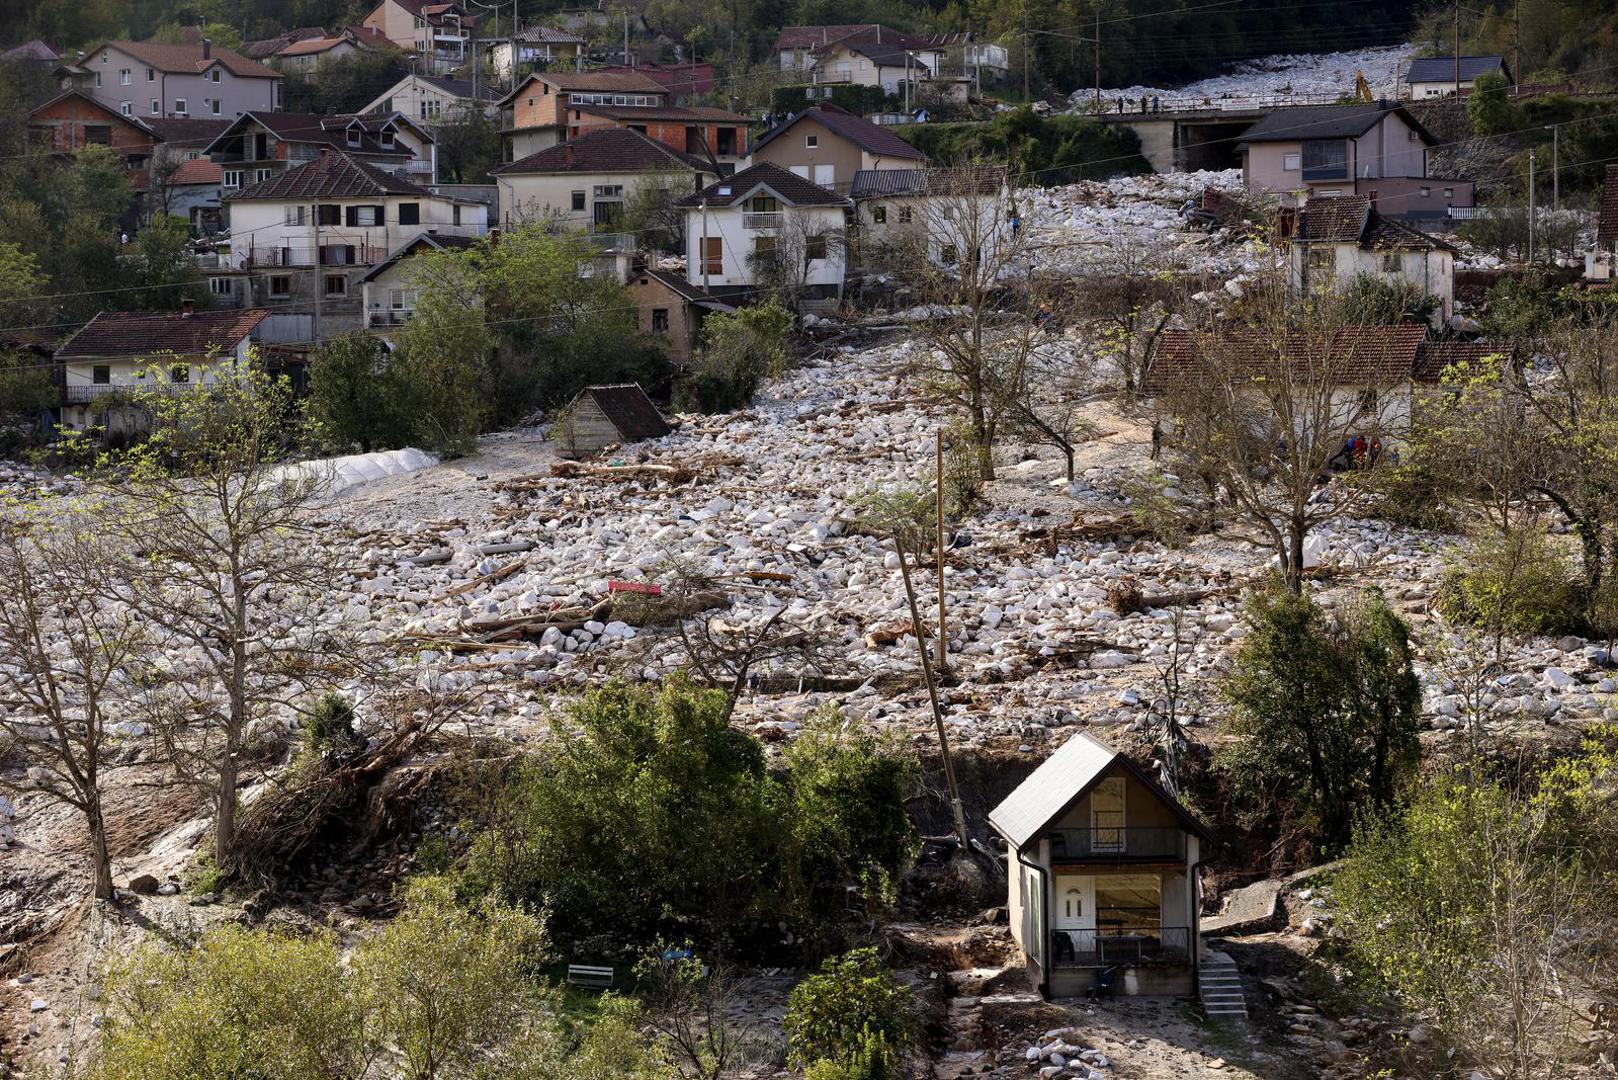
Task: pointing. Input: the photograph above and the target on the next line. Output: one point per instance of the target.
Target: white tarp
(352, 469)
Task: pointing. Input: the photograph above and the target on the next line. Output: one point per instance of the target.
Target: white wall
(535, 196)
(727, 223)
(259, 227)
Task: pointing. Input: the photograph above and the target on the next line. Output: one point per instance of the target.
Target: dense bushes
(1038, 150)
(1323, 706)
(739, 351)
(1515, 582)
(851, 1021)
(659, 816)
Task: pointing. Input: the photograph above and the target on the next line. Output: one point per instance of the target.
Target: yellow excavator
(1362, 89)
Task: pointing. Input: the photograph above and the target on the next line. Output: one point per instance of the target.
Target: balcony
(769, 221)
(1121, 945)
(1117, 845)
(85, 393)
(388, 316)
(259, 258)
(1313, 173)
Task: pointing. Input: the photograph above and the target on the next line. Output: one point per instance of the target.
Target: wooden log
(482, 579)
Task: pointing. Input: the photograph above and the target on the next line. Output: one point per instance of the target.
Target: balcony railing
(389, 316)
(1117, 845)
(1338, 171)
(364, 255)
(762, 222)
(84, 393)
(1121, 945)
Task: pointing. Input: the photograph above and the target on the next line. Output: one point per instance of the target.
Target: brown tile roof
(333, 175)
(199, 171)
(267, 47)
(601, 82)
(610, 150)
(134, 334)
(188, 59)
(1355, 356)
(813, 37)
(871, 138)
(1607, 226)
(1434, 356)
(309, 46)
(186, 131)
(790, 187)
(327, 131)
(629, 410)
(1338, 219)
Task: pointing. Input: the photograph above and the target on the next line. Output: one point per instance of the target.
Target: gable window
(353, 137)
(100, 134)
(260, 175)
(660, 320)
(101, 374)
(213, 75)
(386, 139)
(180, 106)
(126, 108)
(410, 213)
(713, 255)
(1391, 263)
(879, 215)
(764, 204)
(336, 285)
(578, 200)
(811, 142)
(281, 285)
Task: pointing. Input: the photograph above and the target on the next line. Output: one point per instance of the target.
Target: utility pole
(1457, 50)
(1556, 166)
(932, 697)
(938, 559)
(1098, 58)
(1531, 208)
(1025, 64)
(320, 281)
(1516, 49)
(626, 39)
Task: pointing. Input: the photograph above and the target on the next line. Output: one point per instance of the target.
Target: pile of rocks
(1058, 1053)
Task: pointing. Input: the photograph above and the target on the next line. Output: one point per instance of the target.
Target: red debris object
(642, 587)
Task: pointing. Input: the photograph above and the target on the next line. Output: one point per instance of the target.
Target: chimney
(188, 308)
(494, 238)
(207, 49)
(567, 155)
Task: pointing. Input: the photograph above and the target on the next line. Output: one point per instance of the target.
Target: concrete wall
(1392, 148)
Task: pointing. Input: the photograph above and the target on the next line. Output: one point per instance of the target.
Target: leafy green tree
(468, 147)
(162, 260)
(359, 394)
(443, 981)
(240, 1003)
(1369, 300)
(444, 351)
(21, 279)
(739, 351)
(1323, 707)
(849, 1007)
(1491, 108)
(657, 812)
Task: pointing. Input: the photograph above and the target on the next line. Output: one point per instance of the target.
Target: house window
(363, 217)
(125, 77)
(386, 139)
(1290, 162)
(1391, 263)
(764, 204)
(401, 299)
(1426, 192)
(260, 175)
(180, 373)
(763, 247)
(99, 134)
(879, 215)
(336, 285)
(126, 108)
(157, 106)
(151, 75)
(231, 178)
(281, 285)
(297, 215)
(1449, 193)
(811, 142)
(660, 320)
(98, 78)
(1325, 159)
(101, 374)
(328, 214)
(221, 286)
(180, 106)
(214, 75)
(455, 214)
(609, 191)
(578, 200)
(1367, 400)
(353, 137)
(814, 247)
(1322, 259)
(1129, 902)
(214, 106)
(905, 214)
(410, 213)
(713, 255)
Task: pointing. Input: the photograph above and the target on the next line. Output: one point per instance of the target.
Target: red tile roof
(199, 171)
(333, 175)
(135, 334)
(609, 150)
(1354, 356)
(869, 137)
(188, 59)
(790, 187)
(1354, 219)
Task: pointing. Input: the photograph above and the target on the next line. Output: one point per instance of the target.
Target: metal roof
(1441, 69)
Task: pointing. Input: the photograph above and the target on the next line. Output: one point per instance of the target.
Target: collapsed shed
(604, 415)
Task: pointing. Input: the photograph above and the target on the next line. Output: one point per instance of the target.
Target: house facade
(439, 34)
(766, 213)
(868, 63)
(431, 99)
(302, 57)
(73, 120)
(1434, 76)
(193, 192)
(302, 240)
(1354, 149)
(1341, 238)
(148, 78)
(388, 291)
(1103, 875)
(671, 308)
(585, 183)
(537, 47)
(827, 146)
(533, 116)
(260, 146)
(951, 214)
(176, 351)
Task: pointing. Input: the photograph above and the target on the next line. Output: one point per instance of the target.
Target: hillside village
(562, 544)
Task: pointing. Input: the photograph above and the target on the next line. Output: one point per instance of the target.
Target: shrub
(1491, 108)
(1372, 301)
(1323, 707)
(1049, 151)
(851, 1010)
(739, 351)
(329, 725)
(360, 395)
(1412, 495)
(1512, 583)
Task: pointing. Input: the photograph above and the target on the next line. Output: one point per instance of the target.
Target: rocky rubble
(1307, 75)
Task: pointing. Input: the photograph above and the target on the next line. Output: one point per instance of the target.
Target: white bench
(588, 975)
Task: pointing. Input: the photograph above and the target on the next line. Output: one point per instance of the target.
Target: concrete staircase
(1221, 987)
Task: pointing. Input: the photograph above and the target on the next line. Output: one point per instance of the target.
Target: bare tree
(1129, 295)
(1286, 415)
(65, 648)
(1169, 735)
(784, 261)
(226, 571)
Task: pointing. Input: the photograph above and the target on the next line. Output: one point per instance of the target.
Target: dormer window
(353, 136)
(385, 137)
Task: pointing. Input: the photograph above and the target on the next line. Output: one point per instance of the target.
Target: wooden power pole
(956, 809)
(938, 506)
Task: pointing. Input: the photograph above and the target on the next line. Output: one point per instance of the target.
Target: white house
(439, 33)
(1343, 237)
(1102, 866)
(389, 289)
(537, 47)
(961, 213)
(429, 99)
(306, 236)
(139, 350)
(586, 182)
(763, 212)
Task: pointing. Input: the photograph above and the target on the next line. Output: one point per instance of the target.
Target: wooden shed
(604, 415)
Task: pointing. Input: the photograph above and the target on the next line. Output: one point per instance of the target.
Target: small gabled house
(260, 146)
(1341, 238)
(1434, 76)
(603, 416)
(867, 62)
(671, 308)
(389, 289)
(765, 213)
(302, 57)
(177, 351)
(72, 120)
(1103, 874)
(536, 47)
(585, 183)
(432, 99)
(828, 145)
